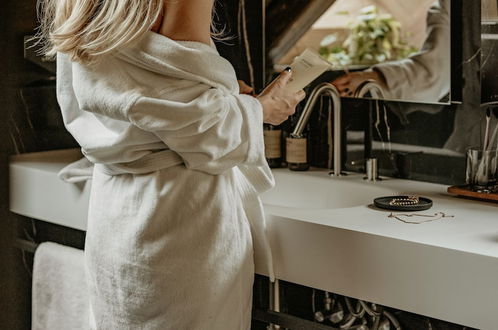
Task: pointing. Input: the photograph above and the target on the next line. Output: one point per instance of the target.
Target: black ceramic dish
(385, 203)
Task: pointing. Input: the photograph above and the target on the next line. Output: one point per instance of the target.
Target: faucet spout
(327, 89)
(369, 87)
(374, 90)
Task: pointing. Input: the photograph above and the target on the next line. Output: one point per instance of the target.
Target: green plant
(373, 38)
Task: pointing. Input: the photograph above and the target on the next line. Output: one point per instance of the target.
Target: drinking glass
(482, 172)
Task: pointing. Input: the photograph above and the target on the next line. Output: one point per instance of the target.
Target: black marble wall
(241, 22)
(29, 121)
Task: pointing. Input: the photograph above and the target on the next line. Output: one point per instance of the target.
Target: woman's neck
(187, 20)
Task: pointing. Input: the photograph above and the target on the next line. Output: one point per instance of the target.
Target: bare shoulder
(188, 20)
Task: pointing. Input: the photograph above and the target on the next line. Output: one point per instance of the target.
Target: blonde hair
(88, 29)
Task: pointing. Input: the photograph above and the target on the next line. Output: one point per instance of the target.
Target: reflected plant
(373, 38)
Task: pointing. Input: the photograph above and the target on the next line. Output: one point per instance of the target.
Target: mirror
(489, 55)
(405, 45)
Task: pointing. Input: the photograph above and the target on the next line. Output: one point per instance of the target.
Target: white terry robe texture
(172, 248)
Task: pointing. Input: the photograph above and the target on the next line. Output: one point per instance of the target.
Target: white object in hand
(306, 68)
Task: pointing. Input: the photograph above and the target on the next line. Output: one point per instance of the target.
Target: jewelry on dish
(409, 200)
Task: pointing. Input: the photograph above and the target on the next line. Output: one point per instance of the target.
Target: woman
(179, 160)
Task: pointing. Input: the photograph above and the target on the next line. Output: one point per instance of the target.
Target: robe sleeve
(424, 76)
(212, 133)
(213, 130)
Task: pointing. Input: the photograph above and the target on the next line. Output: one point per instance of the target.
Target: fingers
(277, 86)
(343, 90)
(344, 85)
(342, 80)
(346, 91)
(278, 104)
(299, 96)
(284, 78)
(244, 88)
(287, 107)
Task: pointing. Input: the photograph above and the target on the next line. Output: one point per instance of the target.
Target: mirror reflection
(402, 45)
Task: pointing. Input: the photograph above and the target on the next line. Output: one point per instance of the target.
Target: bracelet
(409, 200)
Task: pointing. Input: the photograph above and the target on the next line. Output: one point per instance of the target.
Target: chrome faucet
(329, 89)
(369, 87)
(375, 90)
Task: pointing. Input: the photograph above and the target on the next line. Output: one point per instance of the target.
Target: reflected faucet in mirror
(369, 87)
(330, 90)
(374, 90)
(403, 45)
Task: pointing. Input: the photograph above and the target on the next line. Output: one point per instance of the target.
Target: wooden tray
(465, 191)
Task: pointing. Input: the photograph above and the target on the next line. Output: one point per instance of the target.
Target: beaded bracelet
(409, 200)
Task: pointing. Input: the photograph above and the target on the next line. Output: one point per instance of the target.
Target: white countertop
(447, 269)
(36, 191)
(473, 227)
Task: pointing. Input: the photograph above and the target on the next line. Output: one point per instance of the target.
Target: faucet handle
(372, 170)
(369, 165)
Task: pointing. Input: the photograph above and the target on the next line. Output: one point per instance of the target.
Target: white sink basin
(317, 190)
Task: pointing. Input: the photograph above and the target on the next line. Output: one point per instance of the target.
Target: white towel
(80, 170)
(60, 297)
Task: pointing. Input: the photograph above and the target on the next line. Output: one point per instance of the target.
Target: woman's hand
(245, 88)
(348, 83)
(278, 104)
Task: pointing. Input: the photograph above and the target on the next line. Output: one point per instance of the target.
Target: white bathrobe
(174, 209)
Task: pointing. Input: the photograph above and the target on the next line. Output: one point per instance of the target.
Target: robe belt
(149, 163)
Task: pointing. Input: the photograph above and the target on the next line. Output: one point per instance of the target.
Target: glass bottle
(297, 153)
(273, 145)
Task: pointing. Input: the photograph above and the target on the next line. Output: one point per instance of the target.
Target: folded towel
(80, 170)
(60, 298)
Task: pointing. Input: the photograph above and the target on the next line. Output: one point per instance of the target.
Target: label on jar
(296, 151)
(272, 143)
